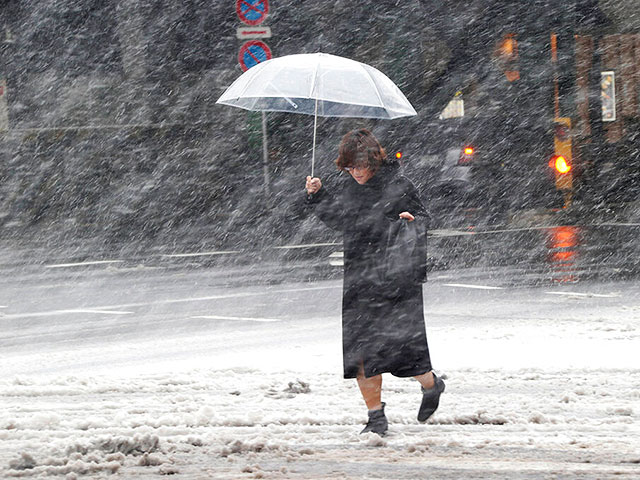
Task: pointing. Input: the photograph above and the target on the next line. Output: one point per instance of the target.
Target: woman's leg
(426, 380)
(371, 389)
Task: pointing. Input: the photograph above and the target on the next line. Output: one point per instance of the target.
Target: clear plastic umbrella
(318, 84)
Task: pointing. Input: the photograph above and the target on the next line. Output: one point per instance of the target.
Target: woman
(381, 332)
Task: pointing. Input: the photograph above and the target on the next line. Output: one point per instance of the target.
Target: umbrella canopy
(341, 87)
(318, 84)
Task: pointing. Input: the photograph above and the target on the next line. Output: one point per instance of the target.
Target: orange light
(563, 245)
(565, 237)
(398, 155)
(466, 155)
(512, 75)
(509, 46)
(561, 165)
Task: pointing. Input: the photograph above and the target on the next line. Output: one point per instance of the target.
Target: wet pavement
(557, 254)
(553, 254)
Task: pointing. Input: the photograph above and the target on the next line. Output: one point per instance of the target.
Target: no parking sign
(252, 53)
(252, 12)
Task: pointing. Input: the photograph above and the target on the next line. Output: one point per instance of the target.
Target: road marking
(454, 233)
(310, 245)
(576, 294)
(82, 264)
(612, 224)
(523, 229)
(449, 233)
(169, 301)
(201, 254)
(479, 287)
(100, 312)
(251, 319)
(233, 252)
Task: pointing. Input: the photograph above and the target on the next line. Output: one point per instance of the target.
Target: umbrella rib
(375, 88)
(314, 80)
(246, 87)
(259, 66)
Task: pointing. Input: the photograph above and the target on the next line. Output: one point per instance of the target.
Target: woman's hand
(407, 216)
(313, 185)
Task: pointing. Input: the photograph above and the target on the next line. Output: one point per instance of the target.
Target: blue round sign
(253, 53)
(252, 12)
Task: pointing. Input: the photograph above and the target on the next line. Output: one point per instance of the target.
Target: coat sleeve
(327, 208)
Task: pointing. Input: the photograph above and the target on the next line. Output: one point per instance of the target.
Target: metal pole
(265, 156)
(5, 46)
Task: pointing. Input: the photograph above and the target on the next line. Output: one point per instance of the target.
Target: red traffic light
(560, 164)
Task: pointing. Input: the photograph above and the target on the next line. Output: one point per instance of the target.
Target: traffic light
(562, 160)
(560, 164)
(466, 155)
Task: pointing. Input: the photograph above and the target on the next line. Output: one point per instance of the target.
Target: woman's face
(361, 174)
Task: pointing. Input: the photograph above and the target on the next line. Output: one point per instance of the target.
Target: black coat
(386, 333)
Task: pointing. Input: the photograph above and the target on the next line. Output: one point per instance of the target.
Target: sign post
(253, 52)
(4, 110)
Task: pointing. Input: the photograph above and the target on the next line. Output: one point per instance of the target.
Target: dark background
(115, 142)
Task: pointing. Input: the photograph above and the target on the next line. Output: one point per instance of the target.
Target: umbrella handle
(313, 150)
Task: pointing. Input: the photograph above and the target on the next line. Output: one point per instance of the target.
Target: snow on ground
(539, 385)
(242, 423)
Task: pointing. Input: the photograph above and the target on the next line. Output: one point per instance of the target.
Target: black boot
(430, 399)
(377, 422)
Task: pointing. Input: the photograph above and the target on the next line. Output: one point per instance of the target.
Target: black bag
(405, 257)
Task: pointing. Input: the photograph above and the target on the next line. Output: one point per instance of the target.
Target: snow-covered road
(149, 372)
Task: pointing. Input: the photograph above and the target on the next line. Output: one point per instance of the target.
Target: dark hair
(360, 148)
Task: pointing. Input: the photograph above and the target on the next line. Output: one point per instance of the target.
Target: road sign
(253, 32)
(252, 12)
(246, 33)
(252, 53)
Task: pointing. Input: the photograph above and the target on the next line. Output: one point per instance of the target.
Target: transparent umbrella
(318, 84)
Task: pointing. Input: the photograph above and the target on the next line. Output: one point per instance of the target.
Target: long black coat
(385, 333)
